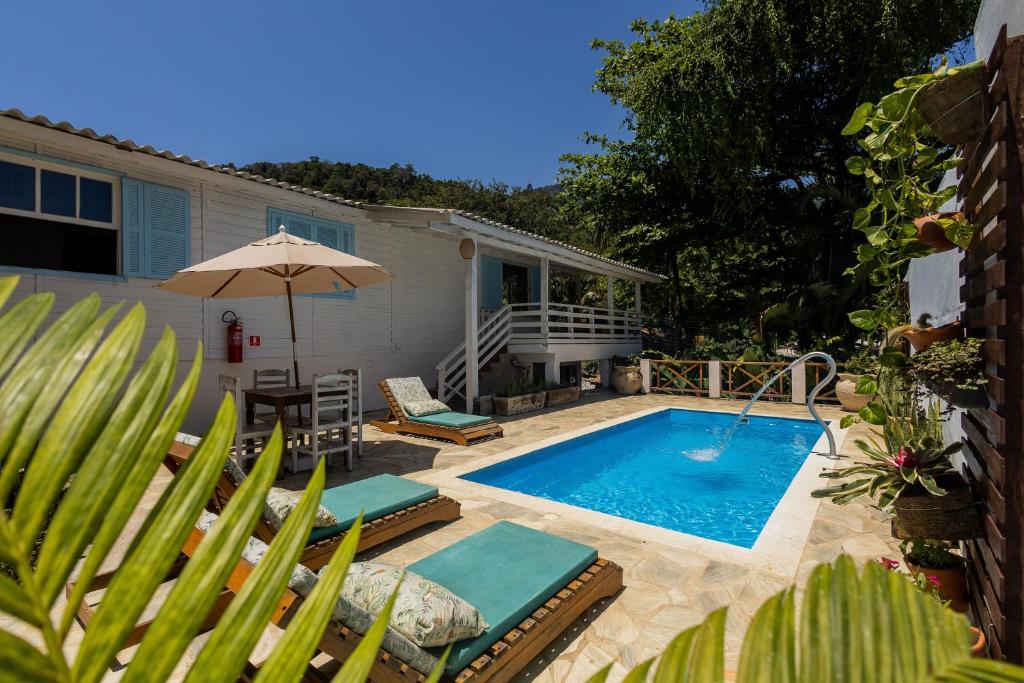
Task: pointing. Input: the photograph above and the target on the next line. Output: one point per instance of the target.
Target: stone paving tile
(667, 590)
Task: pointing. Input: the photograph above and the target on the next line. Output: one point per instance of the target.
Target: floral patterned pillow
(421, 408)
(281, 502)
(426, 613)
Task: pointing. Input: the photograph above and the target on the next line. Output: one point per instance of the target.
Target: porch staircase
(493, 335)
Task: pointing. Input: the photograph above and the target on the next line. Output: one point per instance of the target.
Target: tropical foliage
(81, 438)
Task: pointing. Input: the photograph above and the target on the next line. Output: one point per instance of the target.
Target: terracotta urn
(930, 233)
(978, 642)
(626, 380)
(923, 338)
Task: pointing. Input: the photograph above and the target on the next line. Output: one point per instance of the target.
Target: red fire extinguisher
(234, 336)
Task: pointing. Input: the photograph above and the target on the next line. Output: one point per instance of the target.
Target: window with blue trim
(340, 236)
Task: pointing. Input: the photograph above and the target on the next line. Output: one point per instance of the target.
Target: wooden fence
(990, 189)
(735, 379)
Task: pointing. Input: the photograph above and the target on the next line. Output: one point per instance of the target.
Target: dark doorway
(515, 282)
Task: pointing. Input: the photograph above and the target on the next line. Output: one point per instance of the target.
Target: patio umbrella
(281, 264)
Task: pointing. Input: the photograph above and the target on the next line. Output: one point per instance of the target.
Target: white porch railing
(536, 324)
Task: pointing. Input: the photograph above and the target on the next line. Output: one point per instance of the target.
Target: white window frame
(68, 169)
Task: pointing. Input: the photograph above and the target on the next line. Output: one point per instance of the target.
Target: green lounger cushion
(506, 571)
(376, 497)
(456, 420)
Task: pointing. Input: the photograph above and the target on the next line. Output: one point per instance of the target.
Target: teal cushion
(376, 497)
(456, 420)
(506, 571)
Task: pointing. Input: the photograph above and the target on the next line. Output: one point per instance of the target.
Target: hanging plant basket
(953, 517)
(931, 234)
(963, 398)
(954, 107)
(923, 338)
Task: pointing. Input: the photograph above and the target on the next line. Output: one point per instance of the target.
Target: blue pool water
(661, 469)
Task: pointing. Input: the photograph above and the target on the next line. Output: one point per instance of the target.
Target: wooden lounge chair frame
(318, 553)
(397, 422)
(499, 663)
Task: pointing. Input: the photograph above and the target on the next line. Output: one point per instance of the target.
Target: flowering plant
(929, 585)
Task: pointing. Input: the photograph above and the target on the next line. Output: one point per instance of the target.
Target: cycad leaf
(601, 675)
(75, 425)
(130, 489)
(105, 466)
(294, 650)
(438, 671)
(978, 670)
(814, 627)
(20, 662)
(155, 548)
(769, 648)
(7, 286)
(226, 652)
(844, 619)
(672, 665)
(19, 324)
(206, 572)
(16, 602)
(707, 661)
(358, 665)
(639, 672)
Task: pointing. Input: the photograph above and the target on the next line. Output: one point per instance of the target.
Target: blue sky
(461, 88)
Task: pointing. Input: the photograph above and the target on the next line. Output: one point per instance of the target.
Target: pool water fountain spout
(743, 419)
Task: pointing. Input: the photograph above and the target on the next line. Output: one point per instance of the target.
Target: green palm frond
(82, 434)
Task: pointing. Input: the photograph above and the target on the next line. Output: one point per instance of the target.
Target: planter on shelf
(562, 395)
(953, 582)
(954, 107)
(626, 379)
(930, 232)
(952, 517)
(514, 405)
(847, 394)
(925, 337)
(963, 398)
(978, 642)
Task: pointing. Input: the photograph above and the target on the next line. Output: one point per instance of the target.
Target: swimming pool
(661, 469)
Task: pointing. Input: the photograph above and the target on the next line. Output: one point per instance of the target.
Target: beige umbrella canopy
(281, 264)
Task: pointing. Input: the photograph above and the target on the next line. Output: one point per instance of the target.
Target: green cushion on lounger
(376, 496)
(456, 420)
(506, 571)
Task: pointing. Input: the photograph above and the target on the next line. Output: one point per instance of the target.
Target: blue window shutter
(166, 220)
(492, 296)
(340, 236)
(535, 284)
(131, 227)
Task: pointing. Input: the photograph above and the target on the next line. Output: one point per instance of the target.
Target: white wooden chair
(269, 379)
(329, 429)
(250, 439)
(357, 408)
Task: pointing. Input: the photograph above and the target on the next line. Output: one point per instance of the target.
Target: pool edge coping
(778, 548)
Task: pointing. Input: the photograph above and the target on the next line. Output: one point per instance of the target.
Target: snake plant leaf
(105, 466)
(358, 664)
(206, 573)
(155, 548)
(769, 650)
(129, 490)
(76, 424)
(226, 652)
(294, 650)
(21, 662)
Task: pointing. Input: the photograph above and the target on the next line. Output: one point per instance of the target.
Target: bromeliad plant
(902, 166)
(80, 442)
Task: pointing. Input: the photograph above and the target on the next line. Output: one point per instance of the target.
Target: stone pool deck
(668, 586)
(667, 589)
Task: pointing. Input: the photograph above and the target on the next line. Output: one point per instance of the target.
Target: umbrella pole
(291, 319)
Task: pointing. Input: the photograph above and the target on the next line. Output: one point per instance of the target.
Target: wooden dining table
(281, 398)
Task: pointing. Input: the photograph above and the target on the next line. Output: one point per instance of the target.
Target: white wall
(400, 328)
(992, 15)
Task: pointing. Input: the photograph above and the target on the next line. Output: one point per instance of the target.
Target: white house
(82, 212)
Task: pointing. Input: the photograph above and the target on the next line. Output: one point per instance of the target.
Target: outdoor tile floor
(666, 589)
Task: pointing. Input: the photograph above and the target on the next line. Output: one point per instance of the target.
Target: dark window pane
(35, 243)
(96, 203)
(17, 186)
(58, 194)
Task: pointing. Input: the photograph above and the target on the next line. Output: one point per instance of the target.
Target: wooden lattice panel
(990, 190)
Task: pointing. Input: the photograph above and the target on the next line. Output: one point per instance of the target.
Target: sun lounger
(461, 428)
(391, 506)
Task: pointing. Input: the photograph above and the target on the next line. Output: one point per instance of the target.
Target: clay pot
(847, 394)
(626, 380)
(979, 642)
(930, 234)
(954, 583)
(954, 107)
(952, 517)
(922, 339)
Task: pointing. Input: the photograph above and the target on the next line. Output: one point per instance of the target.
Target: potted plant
(560, 394)
(518, 397)
(952, 103)
(921, 334)
(952, 370)
(626, 378)
(932, 229)
(862, 363)
(944, 570)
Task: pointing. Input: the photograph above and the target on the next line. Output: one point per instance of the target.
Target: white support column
(645, 371)
(611, 293)
(472, 324)
(545, 294)
(636, 286)
(799, 382)
(715, 379)
(551, 371)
